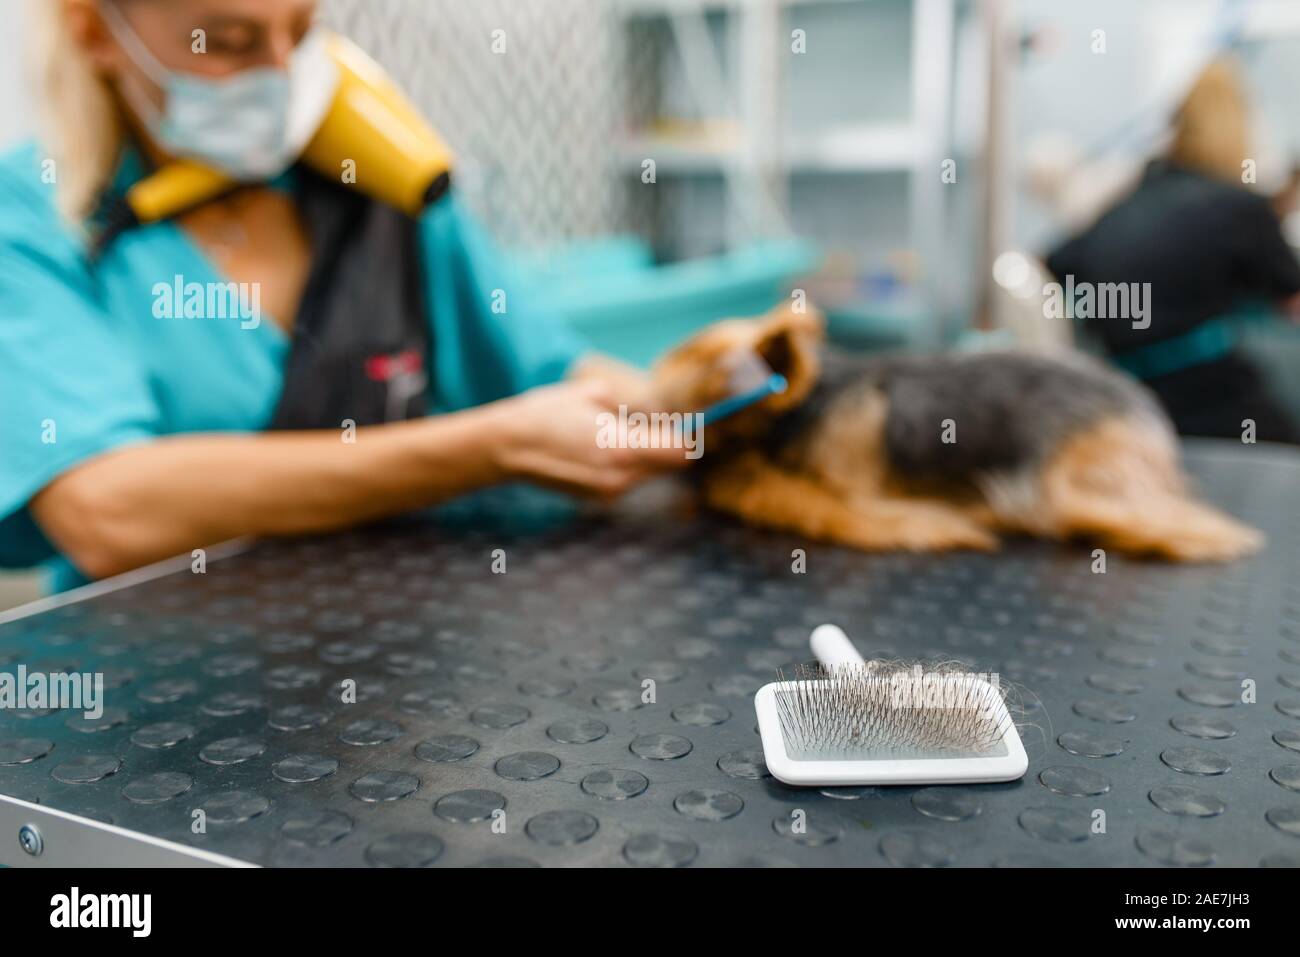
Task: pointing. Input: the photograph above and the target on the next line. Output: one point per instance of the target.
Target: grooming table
(500, 718)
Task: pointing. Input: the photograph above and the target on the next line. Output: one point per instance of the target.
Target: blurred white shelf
(683, 146)
(864, 148)
(650, 8)
(861, 148)
(677, 156)
(1266, 19)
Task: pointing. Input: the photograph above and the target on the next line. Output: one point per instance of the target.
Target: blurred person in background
(1209, 246)
(127, 438)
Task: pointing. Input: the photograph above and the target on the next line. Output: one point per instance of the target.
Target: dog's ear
(788, 341)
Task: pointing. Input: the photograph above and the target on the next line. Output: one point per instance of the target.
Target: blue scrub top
(85, 367)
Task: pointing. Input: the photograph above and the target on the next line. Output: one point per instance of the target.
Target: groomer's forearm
(141, 504)
(634, 387)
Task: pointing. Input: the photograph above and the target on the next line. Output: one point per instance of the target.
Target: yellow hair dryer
(370, 131)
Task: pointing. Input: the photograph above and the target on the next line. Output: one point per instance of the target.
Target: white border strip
(135, 849)
(136, 576)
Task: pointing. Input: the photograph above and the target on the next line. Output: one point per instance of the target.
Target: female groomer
(131, 433)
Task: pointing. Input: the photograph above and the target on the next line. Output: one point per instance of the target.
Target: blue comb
(775, 384)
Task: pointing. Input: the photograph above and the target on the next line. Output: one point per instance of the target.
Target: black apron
(361, 346)
(361, 343)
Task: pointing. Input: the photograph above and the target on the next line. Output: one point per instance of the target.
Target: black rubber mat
(593, 703)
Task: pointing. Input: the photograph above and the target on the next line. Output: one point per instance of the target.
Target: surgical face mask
(251, 125)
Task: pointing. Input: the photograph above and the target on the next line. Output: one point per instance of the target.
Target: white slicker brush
(850, 721)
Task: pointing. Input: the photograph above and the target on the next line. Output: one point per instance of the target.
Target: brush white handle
(833, 648)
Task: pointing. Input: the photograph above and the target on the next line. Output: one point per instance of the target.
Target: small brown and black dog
(941, 452)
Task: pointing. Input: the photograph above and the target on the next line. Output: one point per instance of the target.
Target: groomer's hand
(551, 435)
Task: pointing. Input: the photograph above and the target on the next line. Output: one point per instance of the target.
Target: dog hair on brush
(882, 706)
(927, 453)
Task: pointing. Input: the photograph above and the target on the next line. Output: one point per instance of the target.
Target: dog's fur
(855, 450)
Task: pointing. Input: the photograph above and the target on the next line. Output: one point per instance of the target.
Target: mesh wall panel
(533, 125)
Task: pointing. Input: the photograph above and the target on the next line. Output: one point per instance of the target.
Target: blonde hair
(1212, 126)
(82, 129)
